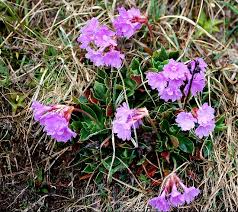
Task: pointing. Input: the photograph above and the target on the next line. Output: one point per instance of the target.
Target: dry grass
(46, 64)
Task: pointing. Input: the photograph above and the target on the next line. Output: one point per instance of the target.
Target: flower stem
(85, 113)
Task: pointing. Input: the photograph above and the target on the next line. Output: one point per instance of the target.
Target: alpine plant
(55, 120)
(178, 79)
(174, 194)
(100, 42)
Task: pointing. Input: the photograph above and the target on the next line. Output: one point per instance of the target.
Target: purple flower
(205, 114)
(160, 202)
(204, 117)
(95, 34)
(57, 127)
(205, 129)
(189, 193)
(113, 58)
(55, 120)
(39, 110)
(172, 91)
(198, 84)
(128, 22)
(169, 81)
(126, 119)
(202, 64)
(156, 80)
(96, 57)
(100, 43)
(175, 70)
(88, 33)
(186, 121)
(206, 120)
(105, 37)
(176, 198)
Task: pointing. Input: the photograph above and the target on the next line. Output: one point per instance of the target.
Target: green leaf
(141, 161)
(100, 91)
(101, 75)
(131, 86)
(164, 125)
(40, 175)
(4, 75)
(87, 109)
(135, 66)
(220, 124)
(86, 134)
(202, 19)
(174, 129)
(210, 25)
(51, 51)
(101, 114)
(76, 125)
(185, 144)
(90, 168)
(80, 100)
(161, 55)
(44, 190)
(233, 8)
(221, 120)
(99, 178)
(144, 179)
(155, 9)
(173, 55)
(207, 149)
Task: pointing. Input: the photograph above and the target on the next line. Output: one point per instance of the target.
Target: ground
(40, 59)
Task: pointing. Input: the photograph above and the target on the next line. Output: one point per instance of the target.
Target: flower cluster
(171, 195)
(126, 119)
(197, 80)
(178, 78)
(128, 22)
(101, 43)
(55, 120)
(204, 117)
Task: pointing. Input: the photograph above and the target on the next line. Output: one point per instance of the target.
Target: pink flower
(39, 110)
(172, 91)
(205, 114)
(105, 37)
(88, 33)
(206, 120)
(171, 196)
(128, 22)
(55, 120)
(186, 121)
(205, 129)
(160, 202)
(175, 70)
(113, 58)
(198, 84)
(156, 80)
(96, 57)
(201, 63)
(100, 43)
(57, 127)
(189, 193)
(176, 198)
(126, 119)
(196, 78)
(169, 81)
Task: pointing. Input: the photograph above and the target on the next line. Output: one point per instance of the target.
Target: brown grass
(42, 25)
